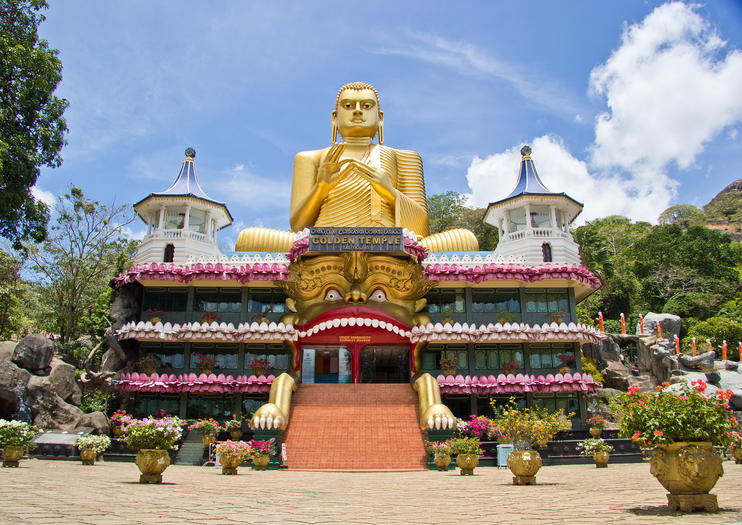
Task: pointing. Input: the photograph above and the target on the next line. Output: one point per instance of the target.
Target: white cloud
(669, 88)
(493, 178)
(44, 196)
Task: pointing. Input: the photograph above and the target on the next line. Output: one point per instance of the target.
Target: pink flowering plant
(206, 426)
(479, 427)
(597, 421)
(665, 416)
(263, 448)
(260, 366)
(465, 445)
(119, 417)
(152, 433)
(234, 448)
(438, 448)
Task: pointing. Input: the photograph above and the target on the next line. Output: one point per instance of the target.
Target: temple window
(174, 216)
(168, 357)
(164, 305)
(552, 356)
(567, 402)
(225, 355)
(540, 217)
(218, 407)
(197, 221)
(432, 355)
(548, 301)
(217, 304)
(264, 301)
(446, 301)
(276, 354)
(546, 251)
(169, 253)
(150, 404)
(517, 219)
(496, 356)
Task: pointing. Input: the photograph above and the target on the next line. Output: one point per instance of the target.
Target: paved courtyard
(43, 491)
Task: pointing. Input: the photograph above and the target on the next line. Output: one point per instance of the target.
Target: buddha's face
(382, 287)
(357, 113)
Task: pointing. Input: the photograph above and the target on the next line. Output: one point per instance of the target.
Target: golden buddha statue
(357, 183)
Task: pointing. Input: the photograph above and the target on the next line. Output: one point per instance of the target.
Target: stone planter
(261, 462)
(442, 461)
(467, 463)
(208, 439)
(152, 463)
(88, 455)
(235, 433)
(688, 471)
(12, 455)
(230, 463)
(737, 454)
(596, 432)
(524, 464)
(601, 459)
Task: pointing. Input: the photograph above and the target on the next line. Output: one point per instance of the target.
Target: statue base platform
(524, 480)
(692, 502)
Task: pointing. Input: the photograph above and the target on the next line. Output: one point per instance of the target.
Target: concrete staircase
(191, 451)
(356, 427)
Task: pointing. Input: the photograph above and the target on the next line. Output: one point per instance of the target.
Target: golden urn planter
(12, 455)
(261, 461)
(688, 471)
(524, 464)
(442, 461)
(737, 454)
(88, 455)
(117, 431)
(152, 463)
(542, 443)
(601, 459)
(235, 433)
(596, 431)
(208, 439)
(229, 463)
(467, 463)
(449, 372)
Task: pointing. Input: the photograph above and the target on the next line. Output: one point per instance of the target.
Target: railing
(178, 234)
(539, 233)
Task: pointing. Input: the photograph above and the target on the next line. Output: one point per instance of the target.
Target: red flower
(658, 433)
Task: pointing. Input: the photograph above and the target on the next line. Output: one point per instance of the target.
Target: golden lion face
(348, 283)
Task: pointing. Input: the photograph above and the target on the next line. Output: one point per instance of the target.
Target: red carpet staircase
(357, 427)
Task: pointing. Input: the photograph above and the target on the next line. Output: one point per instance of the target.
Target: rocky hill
(724, 212)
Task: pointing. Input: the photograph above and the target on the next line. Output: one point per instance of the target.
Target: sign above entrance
(325, 239)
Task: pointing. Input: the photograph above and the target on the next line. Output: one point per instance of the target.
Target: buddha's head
(379, 286)
(357, 112)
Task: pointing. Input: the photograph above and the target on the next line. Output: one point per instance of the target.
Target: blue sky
(629, 106)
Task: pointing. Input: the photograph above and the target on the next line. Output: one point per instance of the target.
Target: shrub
(690, 304)
(99, 444)
(205, 426)
(592, 445)
(465, 445)
(589, 367)
(717, 329)
(234, 448)
(17, 434)
(151, 433)
(438, 448)
(263, 448)
(525, 427)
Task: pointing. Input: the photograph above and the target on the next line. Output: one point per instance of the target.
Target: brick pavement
(43, 491)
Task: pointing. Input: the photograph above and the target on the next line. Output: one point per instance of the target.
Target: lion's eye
(333, 295)
(378, 296)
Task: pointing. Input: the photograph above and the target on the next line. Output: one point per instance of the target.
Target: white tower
(534, 222)
(182, 221)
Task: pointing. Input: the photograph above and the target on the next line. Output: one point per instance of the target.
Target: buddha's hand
(379, 179)
(329, 169)
(436, 413)
(268, 416)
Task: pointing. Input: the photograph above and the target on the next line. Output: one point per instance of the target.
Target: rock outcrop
(34, 353)
(670, 325)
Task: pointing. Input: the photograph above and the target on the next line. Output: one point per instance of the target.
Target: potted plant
(735, 446)
(208, 428)
(260, 366)
(467, 453)
(153, 438)
(205, 363)
(147, 364)
(524, 428)
(598, 449)
(262, 451)
(683, 424)
(441, 452)
(118, 420)
(154, 314)
(91, 447)
(449, 365)
(596, 423)
(231, 455)
(510, 368)
(479, 427)
(15, 438)
(234, 426)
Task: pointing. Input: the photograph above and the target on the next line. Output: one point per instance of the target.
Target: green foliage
(12, 294)
(85, 248)
(98, 444)
(690, 304)
(591, 446)
(527, 426)
(664, 416)
(589, 367)
(465, 445)
(151, 433)
(684, 215)
(448, 210)
(31, 124)
(17, 433)
(95, 401)
(718, 329)
(727, 205)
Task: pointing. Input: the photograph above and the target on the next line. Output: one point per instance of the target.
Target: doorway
(385, 364)
(326, 364)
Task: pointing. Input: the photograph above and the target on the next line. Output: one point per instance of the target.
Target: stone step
(355, 428)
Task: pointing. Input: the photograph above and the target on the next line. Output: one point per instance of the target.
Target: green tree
(85, 248)
(684, 215)
(31, 124)
(718, 330)
(12, 292)
(448, 210)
